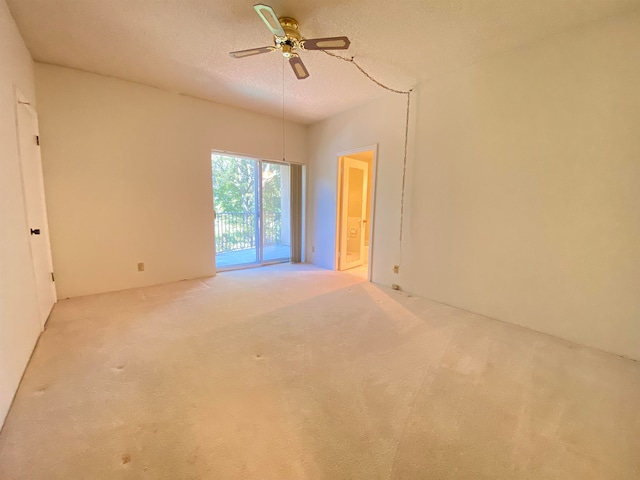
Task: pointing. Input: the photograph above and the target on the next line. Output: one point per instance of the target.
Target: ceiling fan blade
(298, 68)
(270, 18)
(251, 51)
(330, 43)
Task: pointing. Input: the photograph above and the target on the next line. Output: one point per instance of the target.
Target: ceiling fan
(287, 39)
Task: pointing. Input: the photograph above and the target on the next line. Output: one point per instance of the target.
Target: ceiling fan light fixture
(287, 51)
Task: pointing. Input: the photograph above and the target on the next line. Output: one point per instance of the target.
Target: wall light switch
(141, 267)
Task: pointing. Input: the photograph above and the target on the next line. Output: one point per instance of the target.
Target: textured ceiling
(182, 45)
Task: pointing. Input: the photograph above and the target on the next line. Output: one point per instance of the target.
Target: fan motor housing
(291, 41)
(290, 27)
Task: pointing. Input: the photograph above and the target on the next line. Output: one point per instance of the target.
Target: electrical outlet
(395, 286)
(313, 249)
(396, 268)
(141, 267)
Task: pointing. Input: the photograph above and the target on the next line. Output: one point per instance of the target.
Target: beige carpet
(291, 372)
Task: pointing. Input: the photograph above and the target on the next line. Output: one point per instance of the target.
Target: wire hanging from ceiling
(406, 131)
(283, 144)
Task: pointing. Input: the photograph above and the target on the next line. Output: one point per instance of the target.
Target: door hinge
(38, 140)
(53, 277)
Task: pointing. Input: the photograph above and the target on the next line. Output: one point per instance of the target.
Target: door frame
(21, 101)
(260, 219)
(338, 227)
(262, 227)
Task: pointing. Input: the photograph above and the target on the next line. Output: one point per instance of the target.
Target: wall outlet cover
(141, 267)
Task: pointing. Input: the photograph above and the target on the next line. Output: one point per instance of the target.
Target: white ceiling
(182, 45)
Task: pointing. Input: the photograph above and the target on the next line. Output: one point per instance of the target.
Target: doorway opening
(253, 206)
(356, 194)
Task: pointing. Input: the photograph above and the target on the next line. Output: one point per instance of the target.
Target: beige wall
(523, 199)
(378, 122)
(19, 322)
(128, 177)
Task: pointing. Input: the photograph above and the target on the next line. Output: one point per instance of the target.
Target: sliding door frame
(260, 216)
(259, 223)
(263, 229)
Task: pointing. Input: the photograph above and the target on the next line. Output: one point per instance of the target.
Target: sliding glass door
(276, 212)
(252, 211)
(236, 197)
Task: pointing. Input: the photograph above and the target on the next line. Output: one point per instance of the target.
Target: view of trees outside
(234, 192)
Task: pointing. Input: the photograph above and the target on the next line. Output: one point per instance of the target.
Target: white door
(33, 189)
(355, 175)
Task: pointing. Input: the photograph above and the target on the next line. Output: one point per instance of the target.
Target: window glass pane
(235, 199)
(276, 212)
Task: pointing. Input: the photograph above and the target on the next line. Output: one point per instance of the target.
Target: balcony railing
(237, 231)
